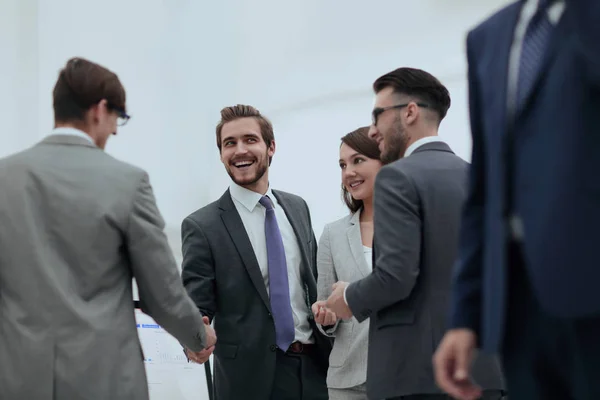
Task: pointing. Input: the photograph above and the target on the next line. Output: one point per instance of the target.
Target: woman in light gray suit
(345, 255)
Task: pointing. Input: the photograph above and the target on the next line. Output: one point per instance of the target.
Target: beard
(395, 143)
(261, 166)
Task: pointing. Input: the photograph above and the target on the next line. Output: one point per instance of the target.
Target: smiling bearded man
(249, 263)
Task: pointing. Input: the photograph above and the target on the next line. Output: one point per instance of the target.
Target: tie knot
(266, 202)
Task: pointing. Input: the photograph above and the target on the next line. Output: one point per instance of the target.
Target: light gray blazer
(340, 257)
(75, 226)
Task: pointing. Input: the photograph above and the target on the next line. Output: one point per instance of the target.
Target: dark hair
(233, 113)
(417, 83)
(359, 140)
(82, 84)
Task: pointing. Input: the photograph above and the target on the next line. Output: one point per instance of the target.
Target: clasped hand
(202, 356)
(323, 315)
(336, 302)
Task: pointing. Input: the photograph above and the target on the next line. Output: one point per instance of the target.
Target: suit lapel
(356, 246)
(296, 223)
(498, 67)
(293, 218)
(234, 225)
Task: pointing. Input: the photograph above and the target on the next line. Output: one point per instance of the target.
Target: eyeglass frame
(380, 110)
(121, 114)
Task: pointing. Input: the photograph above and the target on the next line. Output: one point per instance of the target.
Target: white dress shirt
(72, 132)
(252, 214)
(368, 252)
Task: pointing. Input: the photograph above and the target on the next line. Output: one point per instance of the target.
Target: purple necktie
(279, 287)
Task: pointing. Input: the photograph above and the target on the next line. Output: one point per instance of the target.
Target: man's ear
(271, 149)
(412, 113)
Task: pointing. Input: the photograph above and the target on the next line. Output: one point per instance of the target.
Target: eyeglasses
(380, 110)
(122, 116)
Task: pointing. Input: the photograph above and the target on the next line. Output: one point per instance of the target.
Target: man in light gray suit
(75, 226)
(418, 197)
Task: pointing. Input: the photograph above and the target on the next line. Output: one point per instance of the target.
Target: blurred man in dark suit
(527, 278)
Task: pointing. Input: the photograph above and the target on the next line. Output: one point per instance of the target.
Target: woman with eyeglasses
(344, 254)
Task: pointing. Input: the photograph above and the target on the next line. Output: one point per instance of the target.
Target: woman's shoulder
(340, 224)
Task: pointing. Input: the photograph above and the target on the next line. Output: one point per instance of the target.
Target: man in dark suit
(418, 197)
(527, 278)
(249, 262)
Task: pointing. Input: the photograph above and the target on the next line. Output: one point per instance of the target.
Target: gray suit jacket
(222, 275)
(417, 216)
(340, 257)
(75, 226)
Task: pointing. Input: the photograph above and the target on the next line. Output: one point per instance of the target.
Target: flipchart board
(170, 376)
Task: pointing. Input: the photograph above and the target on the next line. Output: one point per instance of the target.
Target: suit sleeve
(397, 223)
(313, 246)
(467, 278)
(154, 268)
(327, 275)
(586, 33)
(198, 273)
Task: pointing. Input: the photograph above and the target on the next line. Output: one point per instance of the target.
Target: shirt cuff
(345, 301)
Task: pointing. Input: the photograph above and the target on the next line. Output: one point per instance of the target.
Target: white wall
(18, 74)
(307, 65)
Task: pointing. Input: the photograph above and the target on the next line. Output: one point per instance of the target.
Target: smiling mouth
(355, 184)
(243, 164)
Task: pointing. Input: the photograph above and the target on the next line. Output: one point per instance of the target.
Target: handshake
(327, 312)
(323, 315)
(200, 357)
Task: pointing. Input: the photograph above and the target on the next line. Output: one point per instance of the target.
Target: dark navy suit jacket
(555, 182)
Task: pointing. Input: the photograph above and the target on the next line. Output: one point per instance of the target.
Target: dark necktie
(535, 44)
(279, 287)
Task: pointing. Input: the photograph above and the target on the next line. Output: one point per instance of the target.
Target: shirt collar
(421, 142)
(555, 9)
(72, 132)
(248, 198)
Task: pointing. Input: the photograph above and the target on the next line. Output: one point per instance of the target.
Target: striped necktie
(535, 44)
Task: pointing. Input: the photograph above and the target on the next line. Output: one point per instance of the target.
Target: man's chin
(387, 158)
(244, 180)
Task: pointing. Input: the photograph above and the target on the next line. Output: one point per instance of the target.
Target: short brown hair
(418, 83)
(359, 140)
(80, 85)
(238, 111)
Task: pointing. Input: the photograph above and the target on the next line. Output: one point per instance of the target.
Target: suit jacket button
(273, 347)
(270, 315)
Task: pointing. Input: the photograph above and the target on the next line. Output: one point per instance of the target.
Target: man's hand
(452, 364)
(211, 336)
(323, 315)
(201, 357)
(336, 302)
